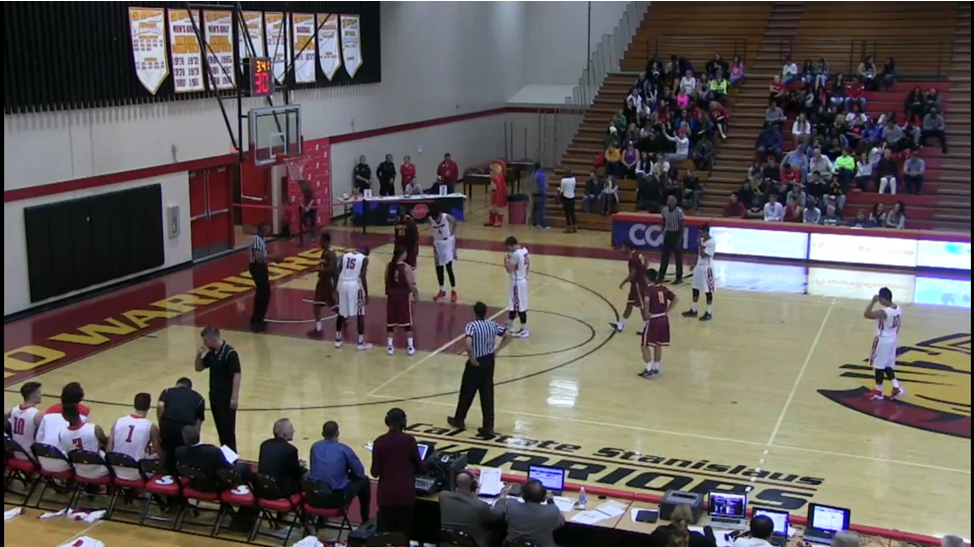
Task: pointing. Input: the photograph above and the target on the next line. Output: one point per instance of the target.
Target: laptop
(781, 521)
(825, 521)
(552, 478)
(727, 511)
(423, 450)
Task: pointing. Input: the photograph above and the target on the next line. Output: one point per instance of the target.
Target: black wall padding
(78, 55)
(74, 244)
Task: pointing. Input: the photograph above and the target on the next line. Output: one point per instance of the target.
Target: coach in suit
(207, 458)
(463, 511)
(279, 458)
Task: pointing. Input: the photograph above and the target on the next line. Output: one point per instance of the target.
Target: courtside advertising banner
(219, 50)
(948, 255)
(650, 236)
(328, 45)
(304, 47)
(868, 250)
(148, 27)
(760, 243)
(187, 60)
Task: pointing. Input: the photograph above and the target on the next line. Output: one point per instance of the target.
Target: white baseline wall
(16, 293)
(439, 59)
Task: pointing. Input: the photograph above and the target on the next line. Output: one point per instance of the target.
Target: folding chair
(456, 538)
(315, 490)
(50, 460)
(90, 461)
(159, 485)
(22, 470)
(197, 486)
(237, 494)
(394, 539)
(122, 464)
(271, 499)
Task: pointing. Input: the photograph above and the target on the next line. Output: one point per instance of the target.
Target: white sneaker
(364, 347)
(410, 351)
(338, 344)
(390, 350)
(523, 333)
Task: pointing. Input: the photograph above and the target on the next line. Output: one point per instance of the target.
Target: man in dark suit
(462, 511)
(279, 458)
(207, 458)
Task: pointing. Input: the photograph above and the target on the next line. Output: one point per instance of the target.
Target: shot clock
(259, 73)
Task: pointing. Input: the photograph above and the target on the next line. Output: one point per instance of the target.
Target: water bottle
(582, 500)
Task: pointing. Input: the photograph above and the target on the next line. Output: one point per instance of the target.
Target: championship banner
(185, 49)
(251, 34)
(303, 31)
(148, 26)
(352, 43)
(219, 51)
(275, 27)
(317, 173)
(328, 53)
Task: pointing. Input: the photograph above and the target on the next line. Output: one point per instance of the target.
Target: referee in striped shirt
(674, 222)
(482, 346)
(259, 273)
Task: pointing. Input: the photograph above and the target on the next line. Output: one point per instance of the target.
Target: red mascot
(498, 193)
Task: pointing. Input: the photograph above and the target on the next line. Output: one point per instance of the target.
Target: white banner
(251, 34)
(303, 32)
(219, 51)
(148, 26)
(328, 54)
(352, 43)
(187, 63)
(277, 43)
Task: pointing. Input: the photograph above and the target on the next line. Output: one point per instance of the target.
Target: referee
(224, 366)
(673, 224)
(478, 376)
(178, 407)
(261, 277)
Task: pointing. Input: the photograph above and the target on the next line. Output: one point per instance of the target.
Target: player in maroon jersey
(637, 285)
(399, 289)
(657, 304)
(325, 295)
(407, 238)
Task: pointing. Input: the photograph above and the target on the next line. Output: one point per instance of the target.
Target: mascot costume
(498, 193)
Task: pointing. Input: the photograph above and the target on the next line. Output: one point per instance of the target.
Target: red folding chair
(89, 487)
(122, 464)
(272, 502)
(201, 488)
(160, 485)
(22, 469)
(51, 469)
(314, 490)
(236, 496)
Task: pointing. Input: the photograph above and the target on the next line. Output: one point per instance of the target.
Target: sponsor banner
(317, 171)
(839, 283)
(275, 27)
(148, 28)
(187, 61)
(761, 243)
(328, 45)
(851, 249)
(949, 255)
(935, 291)
(219, 49)
(251, 34)
(650, 236)
(352, 43)
(303, 31)
(770, 278)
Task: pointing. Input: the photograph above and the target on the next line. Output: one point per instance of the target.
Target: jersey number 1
(128, 439)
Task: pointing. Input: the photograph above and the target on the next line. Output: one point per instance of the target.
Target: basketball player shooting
(407, 237)
(657, 304)
(399, 290)
(703, 276)
(637, 286)
(444, 252)
(325, 287)
(883, 355)
(517, 265)
(353, 295)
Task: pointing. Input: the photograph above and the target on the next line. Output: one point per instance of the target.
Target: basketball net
(295, 167)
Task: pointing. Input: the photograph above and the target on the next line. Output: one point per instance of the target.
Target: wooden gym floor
(768, 395)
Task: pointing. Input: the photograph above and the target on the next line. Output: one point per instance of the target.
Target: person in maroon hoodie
(395, 462)
(448, 173)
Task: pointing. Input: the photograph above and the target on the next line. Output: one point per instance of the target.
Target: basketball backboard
(274, 130)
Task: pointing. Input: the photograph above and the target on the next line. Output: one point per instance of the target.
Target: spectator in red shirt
(734, 208)
(448, 173)
(790, 175)
(407, 172)
(720, 117)
(793, 211)
(395, 463)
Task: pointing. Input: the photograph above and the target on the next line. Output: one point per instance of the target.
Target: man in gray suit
(535, 520)
(463, 511)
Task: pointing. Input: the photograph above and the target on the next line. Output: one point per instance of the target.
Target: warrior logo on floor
(937, 376)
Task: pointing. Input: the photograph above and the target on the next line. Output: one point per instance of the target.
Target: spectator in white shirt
(801, 130)
(413, 188)
(864, 172)
(567, 191)
(634, 104)
(789, 72)
(774, 211)
(682, 147)
(762, 530)
(661, 171)
(688, 83)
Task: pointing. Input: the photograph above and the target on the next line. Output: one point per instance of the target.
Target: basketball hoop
(295, 166)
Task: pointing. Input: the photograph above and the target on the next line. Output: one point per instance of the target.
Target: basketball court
(768, 395)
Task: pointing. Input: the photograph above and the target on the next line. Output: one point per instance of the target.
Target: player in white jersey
(353, 294)
(52, 424)
(83, 436)
(883, 355)
(517, 264)
(24, 418)
(135, 436)
(444, 228)
(703, 275)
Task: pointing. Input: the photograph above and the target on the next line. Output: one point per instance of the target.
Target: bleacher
(930, 41)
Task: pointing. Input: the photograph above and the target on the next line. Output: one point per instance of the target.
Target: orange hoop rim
(295, 165)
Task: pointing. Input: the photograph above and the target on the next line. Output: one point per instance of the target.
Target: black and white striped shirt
(258, 250)
(673, 220)
(483, 334)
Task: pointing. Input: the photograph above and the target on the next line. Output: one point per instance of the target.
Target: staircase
(954, 183)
